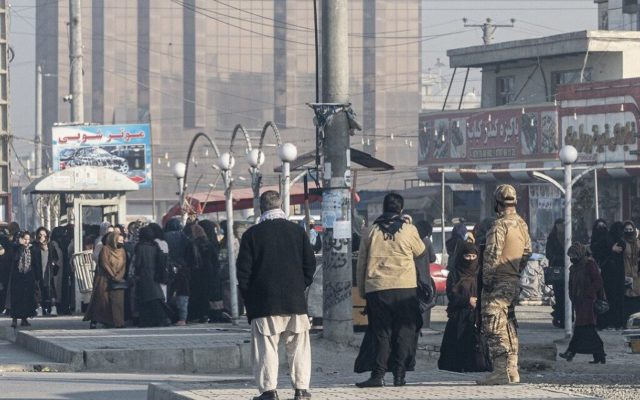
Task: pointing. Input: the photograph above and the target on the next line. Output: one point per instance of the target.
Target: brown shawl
(112, 258)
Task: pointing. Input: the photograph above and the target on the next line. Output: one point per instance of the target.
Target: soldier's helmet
(506, 195)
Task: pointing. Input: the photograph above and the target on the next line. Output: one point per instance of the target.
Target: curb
(60, 355)
(234, 358)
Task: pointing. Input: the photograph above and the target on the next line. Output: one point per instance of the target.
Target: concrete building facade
(193, 65)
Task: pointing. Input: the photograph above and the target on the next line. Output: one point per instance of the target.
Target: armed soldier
(507, 251)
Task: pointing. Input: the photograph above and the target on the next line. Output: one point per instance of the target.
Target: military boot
(512, 368)
(499, 375)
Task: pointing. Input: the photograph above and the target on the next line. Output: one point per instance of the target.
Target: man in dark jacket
(275, 265)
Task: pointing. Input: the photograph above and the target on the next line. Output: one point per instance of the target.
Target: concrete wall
(604, 66)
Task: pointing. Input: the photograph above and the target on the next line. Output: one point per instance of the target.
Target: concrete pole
(286, 187)
(337, 284)
(38, 139)
(39, 218)
(75, 58)
(233, 280)
(568, 193)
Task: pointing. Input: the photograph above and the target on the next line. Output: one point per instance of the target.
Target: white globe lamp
(179, 169)
(226, 162)
(288, 152)
(255, 158)
(568, 154)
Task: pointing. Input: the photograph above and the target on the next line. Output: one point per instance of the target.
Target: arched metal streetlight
(256, 159)
(226, 162)
(179, 170)
(568, 155)
(287, 153)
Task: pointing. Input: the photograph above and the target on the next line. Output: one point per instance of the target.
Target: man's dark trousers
(393, 315)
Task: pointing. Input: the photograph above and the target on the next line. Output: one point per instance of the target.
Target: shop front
(512, 144)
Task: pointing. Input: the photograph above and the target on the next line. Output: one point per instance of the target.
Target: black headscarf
(616, 231)
(579, 255)
(390, 224)
(467, 271)
(147, 235)
(600, 241)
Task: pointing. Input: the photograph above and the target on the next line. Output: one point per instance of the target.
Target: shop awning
(214, 201)
(518, 172)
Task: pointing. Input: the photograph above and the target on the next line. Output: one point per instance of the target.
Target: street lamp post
(226, 163)
(179, 170)
(568, 156)
(255, 158)
(287, 153)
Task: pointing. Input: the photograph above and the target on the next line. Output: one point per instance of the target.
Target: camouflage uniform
(507, 250)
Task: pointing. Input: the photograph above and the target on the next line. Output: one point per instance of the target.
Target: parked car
(95, 156)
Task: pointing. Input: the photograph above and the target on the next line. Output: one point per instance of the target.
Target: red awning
(214, 201)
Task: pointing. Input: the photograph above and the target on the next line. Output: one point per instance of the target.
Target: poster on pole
(122, 148)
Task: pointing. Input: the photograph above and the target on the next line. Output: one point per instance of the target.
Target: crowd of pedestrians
(144, 275)
(614, 251)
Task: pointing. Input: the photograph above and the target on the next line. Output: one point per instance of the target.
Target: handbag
(601, 306)
(118, 285)
(553, 275)
(426, 296)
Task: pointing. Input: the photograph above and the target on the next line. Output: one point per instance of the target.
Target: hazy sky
(440, 17)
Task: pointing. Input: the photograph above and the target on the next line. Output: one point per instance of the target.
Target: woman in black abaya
(462, 349)
(611, 270)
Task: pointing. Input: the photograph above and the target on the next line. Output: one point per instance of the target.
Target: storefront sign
(503, 134)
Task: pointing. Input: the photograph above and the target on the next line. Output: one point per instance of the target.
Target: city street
(332, 368)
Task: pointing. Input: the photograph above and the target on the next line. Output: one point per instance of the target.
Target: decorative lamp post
(255, 158)
(226, 161)
(568, 155)
(179, 170)
(287, 153)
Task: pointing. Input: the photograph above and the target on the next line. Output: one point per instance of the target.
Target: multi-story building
(618, 15)
(189, 66)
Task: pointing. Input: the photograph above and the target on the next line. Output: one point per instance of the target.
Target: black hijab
(467, 271)
(600, 240)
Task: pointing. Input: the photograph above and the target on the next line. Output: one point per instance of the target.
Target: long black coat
(204, 283)
(275, 265)
(462, 349)
(148, 257)
(22, 288)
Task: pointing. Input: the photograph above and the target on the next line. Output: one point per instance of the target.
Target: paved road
(86, 386)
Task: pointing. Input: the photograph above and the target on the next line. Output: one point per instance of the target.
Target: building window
(504, 90)
(630, 6)
(566, 77)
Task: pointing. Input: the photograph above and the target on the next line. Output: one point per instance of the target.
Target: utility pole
(488, 28)
(5, 134)
(38, 138)
(75, 58)
(38, 208)
(336, 210)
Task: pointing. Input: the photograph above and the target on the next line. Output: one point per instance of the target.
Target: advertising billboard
(123, 148)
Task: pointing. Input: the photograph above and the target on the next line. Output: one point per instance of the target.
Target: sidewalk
(440, 385)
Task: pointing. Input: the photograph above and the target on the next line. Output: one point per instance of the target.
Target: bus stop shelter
(83, 187)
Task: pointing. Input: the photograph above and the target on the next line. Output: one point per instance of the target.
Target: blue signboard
(123, 148)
